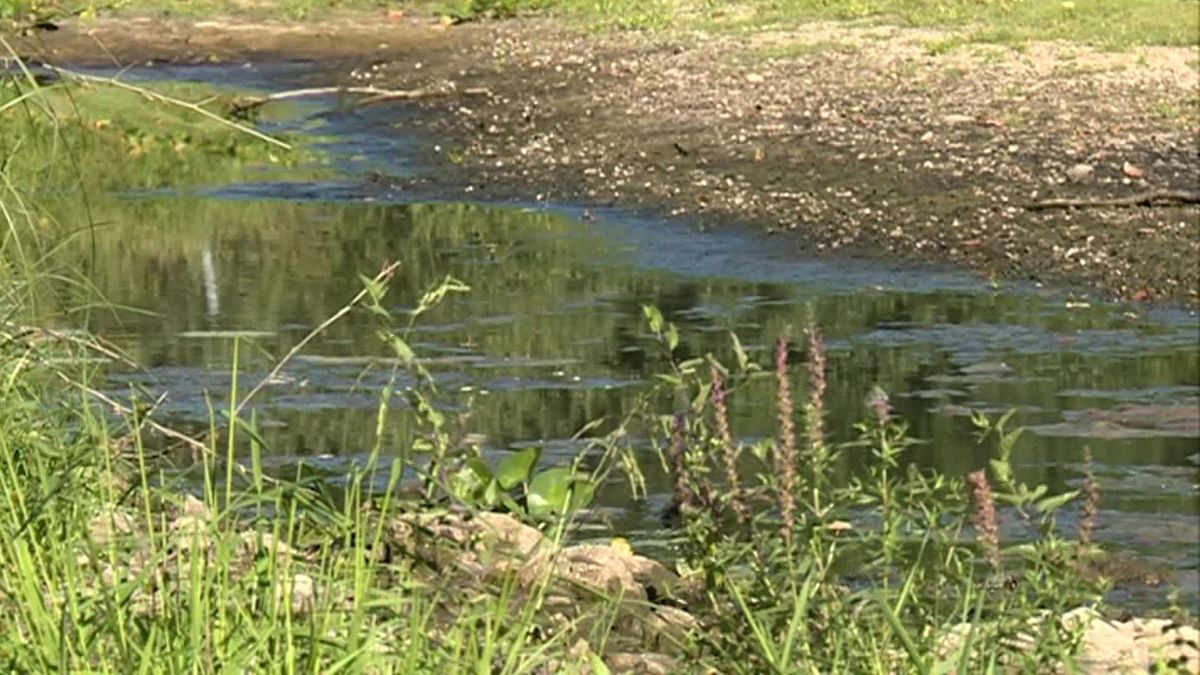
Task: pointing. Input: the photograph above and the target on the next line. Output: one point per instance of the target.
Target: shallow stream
(552, 337)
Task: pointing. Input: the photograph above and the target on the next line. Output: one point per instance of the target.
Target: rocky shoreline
(643, 606)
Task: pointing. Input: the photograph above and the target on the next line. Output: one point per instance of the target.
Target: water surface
(551, 336)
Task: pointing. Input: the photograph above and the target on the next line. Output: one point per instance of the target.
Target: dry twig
(372, 94)
(1151, 198)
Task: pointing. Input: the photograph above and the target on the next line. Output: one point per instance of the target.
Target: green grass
(94, 124)
(1105, 23)
(106, 565)
(1113, 24)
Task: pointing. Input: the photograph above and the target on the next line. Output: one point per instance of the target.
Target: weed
(871, 576)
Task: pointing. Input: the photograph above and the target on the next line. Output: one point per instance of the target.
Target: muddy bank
(859, 141)
(847, 141)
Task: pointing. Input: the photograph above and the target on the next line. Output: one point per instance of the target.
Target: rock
(1139, 644)
(1080, 173)
(579, 651)
(194, 508)
(303, 593)
(108, 576)
(839, 527)
(105, 528)
(504, 543)
(516, 537)
(667, 628)
(617, 568)
(590, 584)
(1132, 171)
(755, 78)
(1116, 647)
(641, 664)
(653, 576)
(599, 568)
(189, 531)
(483, 544)
(958, 119)
(255, 543)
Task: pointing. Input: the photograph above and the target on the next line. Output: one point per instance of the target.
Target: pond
(551, 336)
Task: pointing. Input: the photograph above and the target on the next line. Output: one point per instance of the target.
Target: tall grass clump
(110, 562)
(114, 560)
(898, 569)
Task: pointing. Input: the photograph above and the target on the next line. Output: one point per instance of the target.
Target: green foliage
(874, 575)
(28, 11)
(107, 565)
(60, 136)
(1106, 23)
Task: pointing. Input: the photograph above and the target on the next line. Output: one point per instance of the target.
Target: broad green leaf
(669, 379)
(672, 337)
(1011, 500)
(515, 468)
(654, 318)
(465, 483)
(1005, 418)
(548, 492)
(1027, 551)
(375, 289)
(481, 469)
(511, 504)
(1003, 470)
(1009, 441)
(491, 494)
(720, 367)
(597, 664)
(582, 492)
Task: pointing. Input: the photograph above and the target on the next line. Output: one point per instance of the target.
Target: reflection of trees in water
(284, 266)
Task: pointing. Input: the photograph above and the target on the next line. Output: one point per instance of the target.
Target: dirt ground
(847, 140)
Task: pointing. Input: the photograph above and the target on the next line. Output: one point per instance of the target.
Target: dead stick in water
(1152, 198)
(372, 94)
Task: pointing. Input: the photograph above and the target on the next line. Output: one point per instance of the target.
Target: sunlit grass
(1105, 23)
(55, 136)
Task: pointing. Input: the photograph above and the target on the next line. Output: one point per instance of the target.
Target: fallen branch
(372, 94)
(1152, 198)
